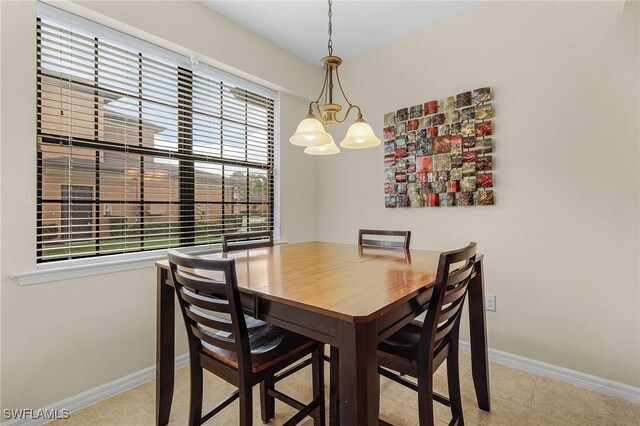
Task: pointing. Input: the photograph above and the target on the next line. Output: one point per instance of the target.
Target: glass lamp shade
(328, 149)
(360, 135)
(310, 132)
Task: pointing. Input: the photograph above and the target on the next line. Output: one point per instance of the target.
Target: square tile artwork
(443, 148)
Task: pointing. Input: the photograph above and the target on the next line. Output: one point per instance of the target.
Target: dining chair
(246, 240)
(240, 350)
(418, 349)
(384, 238)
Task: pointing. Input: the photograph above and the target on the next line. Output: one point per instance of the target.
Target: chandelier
(311, 132)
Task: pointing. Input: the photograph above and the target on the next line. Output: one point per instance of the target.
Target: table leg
(478, 332)
(334, 399)
(359, 388)
(165, 337)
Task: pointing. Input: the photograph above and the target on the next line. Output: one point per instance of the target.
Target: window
(139, 150)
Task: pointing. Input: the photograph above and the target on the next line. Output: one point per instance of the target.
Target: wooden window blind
(139, 150)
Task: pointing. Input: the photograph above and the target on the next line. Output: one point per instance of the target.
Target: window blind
(139, 150)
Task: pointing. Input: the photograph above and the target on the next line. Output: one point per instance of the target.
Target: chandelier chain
(330, 30)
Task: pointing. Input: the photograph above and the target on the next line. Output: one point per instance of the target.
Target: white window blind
(138, 150)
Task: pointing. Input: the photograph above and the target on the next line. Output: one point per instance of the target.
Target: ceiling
(358, 26)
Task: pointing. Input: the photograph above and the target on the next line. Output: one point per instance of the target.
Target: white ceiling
(358, 26)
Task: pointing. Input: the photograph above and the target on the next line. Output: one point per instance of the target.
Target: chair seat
(269, 345)
(402, 348)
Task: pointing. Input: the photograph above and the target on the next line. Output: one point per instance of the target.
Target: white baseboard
(605, 386)
(90, 397)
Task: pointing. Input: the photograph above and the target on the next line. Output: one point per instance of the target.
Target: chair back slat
(199, 284)
(460, 255)
(211, 307)
(246, 240)
(382, 243)
(197, 262)
(444, 329)
(209, 303)
(454, 293)
(460, 274)
(391, 239)
(445, 309)
(214, 339)
(450, 310)
(216, 323)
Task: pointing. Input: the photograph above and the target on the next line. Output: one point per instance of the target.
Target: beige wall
(561, 243)
(61, 339)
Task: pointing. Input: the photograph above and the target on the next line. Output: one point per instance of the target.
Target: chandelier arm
(324, 86)
(347, 112)
(318, 110)
(342, 91)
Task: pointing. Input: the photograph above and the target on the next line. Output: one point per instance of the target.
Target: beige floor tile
(465, 360)
(464, 365)
(581, 406)
(136, 407)
(503, 412)
(506, 382)
(397, 413)
(541, 419)
(404, 394)
(128, 408)
(397, 392)
(554, 403)
(511, 384)
(407, 397)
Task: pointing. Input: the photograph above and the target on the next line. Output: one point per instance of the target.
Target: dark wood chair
(367, 238)
(418, 349)
(241, 350)
(246, 240)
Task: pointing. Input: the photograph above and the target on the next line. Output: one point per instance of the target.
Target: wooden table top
(340, 280)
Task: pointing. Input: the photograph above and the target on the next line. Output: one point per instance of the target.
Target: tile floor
(518, 398)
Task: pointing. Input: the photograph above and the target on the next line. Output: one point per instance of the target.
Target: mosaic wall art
(438, 154)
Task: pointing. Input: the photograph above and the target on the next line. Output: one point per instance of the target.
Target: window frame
(186, 163)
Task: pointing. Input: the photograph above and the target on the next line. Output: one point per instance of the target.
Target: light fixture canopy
(311, 131)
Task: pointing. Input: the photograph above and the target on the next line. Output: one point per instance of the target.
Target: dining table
(348, 296)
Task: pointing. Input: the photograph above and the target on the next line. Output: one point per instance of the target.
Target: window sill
(70, 269)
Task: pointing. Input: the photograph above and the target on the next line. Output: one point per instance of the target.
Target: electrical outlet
(490, 302)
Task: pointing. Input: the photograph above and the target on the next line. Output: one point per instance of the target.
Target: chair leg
(267, 402)
(334, 397)
(246, 405)
(425, 398)
(453, 380)
(317, 371)
(195, 403)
